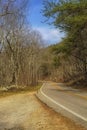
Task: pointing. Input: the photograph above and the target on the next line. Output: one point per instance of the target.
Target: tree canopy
(71, 17)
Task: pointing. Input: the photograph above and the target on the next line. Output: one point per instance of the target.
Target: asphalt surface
(70, 102)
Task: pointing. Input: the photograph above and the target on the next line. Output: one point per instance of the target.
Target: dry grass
(16, 90)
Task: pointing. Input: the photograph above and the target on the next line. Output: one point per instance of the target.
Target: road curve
(66, 101)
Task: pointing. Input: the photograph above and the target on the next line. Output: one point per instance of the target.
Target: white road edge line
(58, 104)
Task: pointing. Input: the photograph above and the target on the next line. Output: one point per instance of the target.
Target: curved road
(70, 102)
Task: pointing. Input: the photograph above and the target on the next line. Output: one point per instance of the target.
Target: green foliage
(68, 15)
(62, 47)
(71, 17)
(56, 62)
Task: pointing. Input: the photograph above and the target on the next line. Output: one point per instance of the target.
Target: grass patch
(12, 90)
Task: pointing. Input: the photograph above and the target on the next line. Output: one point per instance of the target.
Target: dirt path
(26, 112)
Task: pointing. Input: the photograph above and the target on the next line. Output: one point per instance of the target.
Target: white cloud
(50, 35)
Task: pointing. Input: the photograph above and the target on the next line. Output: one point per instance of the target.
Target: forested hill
(61, 65)
(70, 56)
(23, 58)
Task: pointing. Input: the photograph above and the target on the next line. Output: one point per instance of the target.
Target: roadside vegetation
(11, 90)
(20, 45)
(68, 59)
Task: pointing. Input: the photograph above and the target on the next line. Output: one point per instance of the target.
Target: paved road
(68, 101)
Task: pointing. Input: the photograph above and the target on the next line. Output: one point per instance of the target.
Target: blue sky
(50, 34)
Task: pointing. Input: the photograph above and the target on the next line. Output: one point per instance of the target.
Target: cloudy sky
(50, 34)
